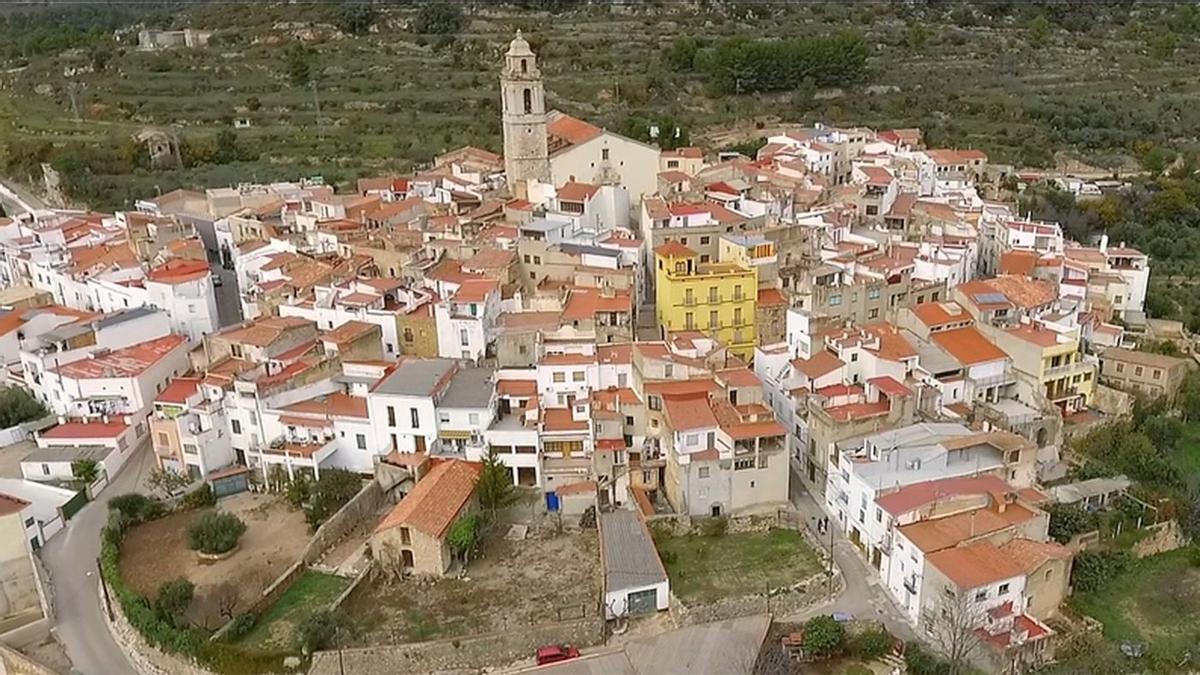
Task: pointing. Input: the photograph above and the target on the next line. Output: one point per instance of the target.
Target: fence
(74, 504)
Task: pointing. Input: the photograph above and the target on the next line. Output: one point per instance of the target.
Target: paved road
(863, 596)
(71, 561)
(16, 199)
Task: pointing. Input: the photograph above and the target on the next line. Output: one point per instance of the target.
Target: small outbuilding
(635, 581)
(412, 537)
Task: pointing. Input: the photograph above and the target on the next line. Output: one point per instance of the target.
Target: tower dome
(519, 46)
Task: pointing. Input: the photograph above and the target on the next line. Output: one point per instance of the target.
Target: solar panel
(989, 298)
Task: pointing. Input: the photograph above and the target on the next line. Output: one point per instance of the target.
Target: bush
(199, 498)
(330, 493)
(1093, 569)
(215, 532)
(17, 406)
(822, 636)
(173, 599)
(871, 644)
(317, 630)
(920, 661)
(1068, 520)
(241, 627)
(137, 508)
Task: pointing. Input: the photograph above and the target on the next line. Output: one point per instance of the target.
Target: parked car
(555, 654)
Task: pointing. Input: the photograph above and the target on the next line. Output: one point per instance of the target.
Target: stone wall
(1161, 537)
(13, 662)
(363, 505)
(467, 653)
(1111, 401)
(143, 657)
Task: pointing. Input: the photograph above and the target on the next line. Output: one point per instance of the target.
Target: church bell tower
(523, 101)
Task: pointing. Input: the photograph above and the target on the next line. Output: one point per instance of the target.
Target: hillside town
(849, 337)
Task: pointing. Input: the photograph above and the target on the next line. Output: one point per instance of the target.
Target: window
(444, 417)
(361, 439)
(647, 477)
(163, 439)
(463, 339)
(415, 417)
(835, 300)
(1138, 371)
(408, 335)
(604, 154)
(1003, 589)
(629, 420)
(45, 469)
(874, 313)
(737, 316)
(473, 418)
(762, 461)
(712, 319)
(712, 293)
(689, 321)
(743, 464)
(691, 440)
(1120, 367)
(236, 426)
(704, 241)
(405, 536)
(854, 357)
(29, 521)
(391, 348)
(980, 596)
(737, 292)
(878, 515)
(654, 401)
(704, 471)
(560, 377)
(672, 164)
(1157, 374)
(669, 371)
(527, 96)
(873, 294)
(391, 413)
(578, 376)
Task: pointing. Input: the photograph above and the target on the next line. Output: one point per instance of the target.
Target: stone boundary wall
(14, 662)
(778, 602)
(1161, 537)
(337, 602)
(362, 505)
(470, 654)
(144, 657)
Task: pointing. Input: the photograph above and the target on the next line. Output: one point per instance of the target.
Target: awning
(454, 435)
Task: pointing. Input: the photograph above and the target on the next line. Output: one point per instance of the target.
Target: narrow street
(71, 560)
(863, 595)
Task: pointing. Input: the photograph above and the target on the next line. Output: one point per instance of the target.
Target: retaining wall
(363, 505)
(143, 657)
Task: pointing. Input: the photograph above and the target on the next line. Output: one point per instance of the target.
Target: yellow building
(1054, 359)
(718, 299)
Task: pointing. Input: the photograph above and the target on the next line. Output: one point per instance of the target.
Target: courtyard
(706, 567)
(536, 580)
(156, 552)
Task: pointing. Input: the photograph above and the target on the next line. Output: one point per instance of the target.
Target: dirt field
(157, 552)
(537, 580)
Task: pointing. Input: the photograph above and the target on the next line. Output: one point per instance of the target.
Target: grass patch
(1157, 601)
(705, 568)
(1187, 456)
(311, 592)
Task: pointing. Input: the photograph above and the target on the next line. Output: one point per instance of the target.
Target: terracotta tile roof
(919, 494)
(968, 346)
(1025, 292)
(771, 297)
(739, 377)
(560, 419)
(336, 404)
(877, 175)
(178, 271)
(976, 565)
(1022, 624)
(476, 290)
(674, 249)
(1018, 262)
(822, 363)
(672, 388)
(845, 413)
(436, 500)
(571, 129)
(179, 390)
(1141, 358)
(585, 303)
(489, 259)
(263, 332)
(939, 533)
(741, 427)
(10, 504)
(619, 353)
(520, 388)
(674, 176)
(131, 361)
(577, 192)
(892, 344)
(567, 360)
(688, 153)
(890, 386)
(1029, 555)
(935, 314)
(113, 428)
(349, 332)
(688, 412)
(1036, 335)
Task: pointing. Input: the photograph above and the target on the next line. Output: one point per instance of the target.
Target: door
(641, 602)
(406, 559)
(420, 444)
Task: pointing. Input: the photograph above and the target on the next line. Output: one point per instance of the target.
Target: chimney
(1104, 243)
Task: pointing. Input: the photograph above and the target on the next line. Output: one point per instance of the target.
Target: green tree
(439, 18)
(17, 406)
(495, 489)
(1068, 520)
(1039, 30)
(822, 636)
(173, 599)
(227, 147)
(1164, 432)
(329, 493)
(136, 508)
(356, 18)
(463, 536)
(681, 55)
(871, 643)
(167, 482)
(215, 532)
(85, 471)
(299, 63)
(318, 630)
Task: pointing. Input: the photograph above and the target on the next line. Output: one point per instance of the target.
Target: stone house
(412, 537)
(1154, 375)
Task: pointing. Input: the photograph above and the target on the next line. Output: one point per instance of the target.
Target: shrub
(242, 625)
(1068, 520)
(137, 508)
(199, 498)
(330, 493)
(318, 630)
(17, 406)
(822, 636)
(173, 599)
(1093, 569)
(871, 644)
(215, 532)
(923, 662)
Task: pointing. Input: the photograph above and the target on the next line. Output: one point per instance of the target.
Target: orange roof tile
(1029, 555)
(349, 332)
(336, 404)
(976, 565)
(685, 413)
(131, 361)
(1025, 292)
(87, 429)
(178, 271)
(10, 504)
(560, 419)
(585, 303)
(935, 314)
(822, 363)
(571, 129)
(674, 249)
(179, 390)
(940, 533)
(577, 192)
(476, 290)
(919, 494)
(436, 501)
(968, 346)
(771, 297)
(516, 387)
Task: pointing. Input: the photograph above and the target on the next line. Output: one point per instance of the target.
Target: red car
(556, 653)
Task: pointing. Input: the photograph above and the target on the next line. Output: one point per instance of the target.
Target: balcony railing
(1066, 370)
(1007, 377)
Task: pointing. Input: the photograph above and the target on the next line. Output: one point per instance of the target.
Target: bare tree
(226, 596)
(951, 624)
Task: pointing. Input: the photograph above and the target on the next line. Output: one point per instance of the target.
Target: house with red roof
(412, 537)
(183, 288)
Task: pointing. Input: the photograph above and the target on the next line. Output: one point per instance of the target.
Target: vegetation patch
(704, 568)
(311, 593)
